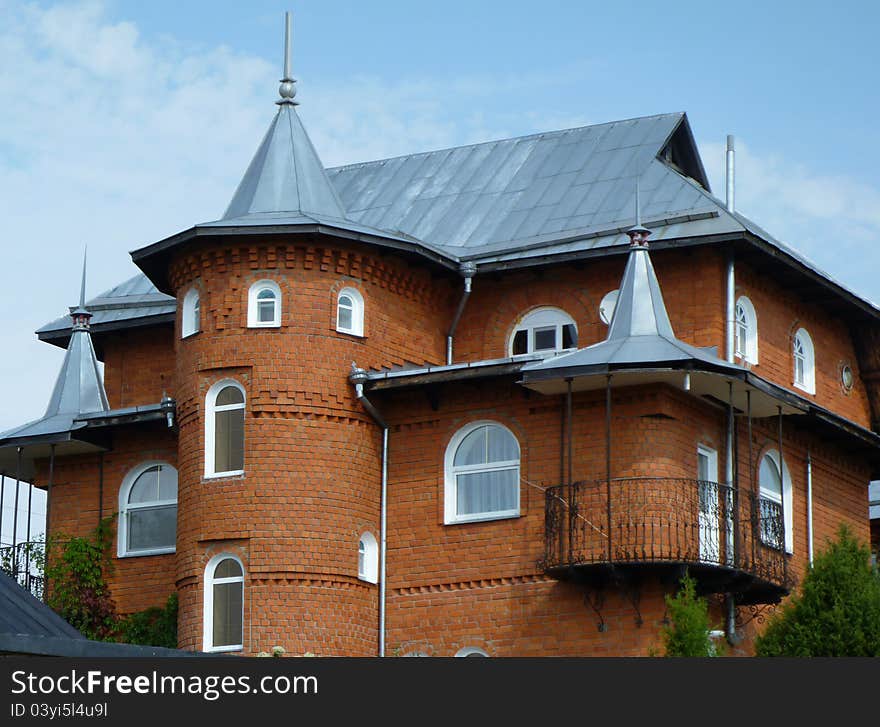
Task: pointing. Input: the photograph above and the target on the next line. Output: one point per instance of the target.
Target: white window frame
(541, 319)
(608, 305)
(211, 410)
(357, 312)
(253, 313)
(470, 651)
(802, 350)
(450, 477)
(124, 508)
(368, 558)
(208, 608)
(746, 317)
(787, 497)
(190, 315)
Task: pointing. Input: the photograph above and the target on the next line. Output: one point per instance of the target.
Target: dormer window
(804, 361)
(264, 305)
(746, 337)
(544, 330)
(190, 316)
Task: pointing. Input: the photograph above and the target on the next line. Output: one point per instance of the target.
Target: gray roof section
(21, 613)
(502, 193)
(135, 300)
(640, 334)
(286, 174)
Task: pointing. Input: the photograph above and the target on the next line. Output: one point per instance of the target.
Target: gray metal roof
(286, 174)
(21, 613)
(639, 334)
(135, 301)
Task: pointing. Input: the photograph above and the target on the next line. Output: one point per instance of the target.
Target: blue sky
(124, 122)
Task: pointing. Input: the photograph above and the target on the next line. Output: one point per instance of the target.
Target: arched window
(804, 361)
(482, 474)
(190, 315)
(746, 337)
(264, 305)
(350, 312)
(544, 329)
(148, 510)
(471, 651)
(368, 558)
(774, 485)
(224, 429)
(224, 604)
(607, 306)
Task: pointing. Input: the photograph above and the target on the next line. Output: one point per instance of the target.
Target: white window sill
(218, 475)
(350, 333)
(140, 553)
(365, 579)
(482, 517)
(802, 387)
(218, 649)
(264, 325)
(189, 335)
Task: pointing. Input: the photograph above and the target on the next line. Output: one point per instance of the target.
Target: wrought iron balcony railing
(24, 563)
(730, 540)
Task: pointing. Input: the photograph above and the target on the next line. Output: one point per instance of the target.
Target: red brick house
(463, 402)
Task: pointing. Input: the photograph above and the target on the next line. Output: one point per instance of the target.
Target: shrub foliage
(688, 631)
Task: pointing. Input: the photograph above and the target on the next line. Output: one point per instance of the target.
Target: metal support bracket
(595, 599)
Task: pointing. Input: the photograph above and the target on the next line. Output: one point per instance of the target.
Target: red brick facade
(313, 454)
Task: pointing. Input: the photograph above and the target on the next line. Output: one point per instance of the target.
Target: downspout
(358, 377)
(809, 505)
(468, 270)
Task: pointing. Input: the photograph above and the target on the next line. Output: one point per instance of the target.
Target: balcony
(729, 541)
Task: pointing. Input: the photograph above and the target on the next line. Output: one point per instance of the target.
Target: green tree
(838, 610)
(688, 631)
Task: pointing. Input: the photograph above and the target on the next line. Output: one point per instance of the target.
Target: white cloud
(829, 218)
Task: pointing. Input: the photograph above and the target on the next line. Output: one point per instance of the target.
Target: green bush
(838, 610)
(151, 627)
(688, 631)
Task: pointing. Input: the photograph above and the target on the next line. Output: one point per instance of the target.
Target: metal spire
(638, 235)
(80, 314)
(287, 89)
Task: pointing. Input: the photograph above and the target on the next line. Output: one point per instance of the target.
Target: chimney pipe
(730, 173)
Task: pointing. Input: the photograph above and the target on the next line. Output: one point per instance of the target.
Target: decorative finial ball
(287, 89)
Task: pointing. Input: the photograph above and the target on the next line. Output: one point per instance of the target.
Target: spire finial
(638, 235)
(80, 314)
(287, 89)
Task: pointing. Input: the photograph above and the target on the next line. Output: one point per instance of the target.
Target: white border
(208, 606)
(357, 312)
(788, 515)
(124, 492)
(190, 323)
(252, 310)
(210, 410)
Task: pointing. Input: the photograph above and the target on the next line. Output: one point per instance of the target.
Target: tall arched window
(471, 651)
(224, 429)
(350, 312)
(368, 558)
(746, 331)
(544, 329)
(264, 305)
(189, 317)
(482, 474)
(148, 510)
(224, 604)
(804, 361)
(775, 491)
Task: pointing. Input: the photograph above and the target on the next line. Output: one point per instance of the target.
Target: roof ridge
(523, 137)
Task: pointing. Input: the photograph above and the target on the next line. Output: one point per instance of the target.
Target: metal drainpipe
(730, 349)
(809, 505)
(358, 377)
(468, 270)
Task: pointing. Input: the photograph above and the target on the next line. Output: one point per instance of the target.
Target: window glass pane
(472, 449)
(502, 445)
(266, 311)
(362, 552)
(266, 294)
(769, 479)
(483, 492)
(229, 440)
(152, 528)
(145, 487)
(521, 342)
(228, 568)
(167, 483)
(703, 466)
(545, 339)
(227, 614)
(345, 301)
(569, 336)
(799, 370)
(345, 318)
(229, 395)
